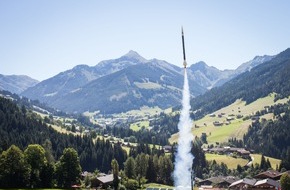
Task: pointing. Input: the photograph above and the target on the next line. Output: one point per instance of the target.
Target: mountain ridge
(130, 88)
(202, 77)
(16, 83)
(260, 81)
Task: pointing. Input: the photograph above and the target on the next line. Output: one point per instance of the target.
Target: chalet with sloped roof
(245, 183)
(267, 184)
(105, 181)
(253, 184)
(271, 174)
(218, 182)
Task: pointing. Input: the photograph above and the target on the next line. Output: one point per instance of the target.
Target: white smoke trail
(184, 158)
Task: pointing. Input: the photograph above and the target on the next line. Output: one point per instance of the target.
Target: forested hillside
(272, 137)
(271, 76)
(23, 132)
(22, 127)
(32, 104)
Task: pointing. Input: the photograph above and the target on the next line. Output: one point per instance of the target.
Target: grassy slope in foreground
(257, 160)
(231, 162)
(156, 185)
(237, 128)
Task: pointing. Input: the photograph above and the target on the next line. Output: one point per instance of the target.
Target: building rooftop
(246, 181)
(269, 182)
(106, 178)
(268, 174)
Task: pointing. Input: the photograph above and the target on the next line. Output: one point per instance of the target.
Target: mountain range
(16, 83)
(129, 82)
(270, 77)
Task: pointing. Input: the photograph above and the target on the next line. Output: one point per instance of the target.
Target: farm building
(253, 184)
(245, 183)
(271, 174)
(218, 182)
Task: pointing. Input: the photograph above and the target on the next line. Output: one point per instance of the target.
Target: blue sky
(42, 38)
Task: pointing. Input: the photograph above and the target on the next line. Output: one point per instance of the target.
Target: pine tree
(151, 174)
(285, 164)
(130, 167)
(263, 163)
(115, 169)
(141, 164)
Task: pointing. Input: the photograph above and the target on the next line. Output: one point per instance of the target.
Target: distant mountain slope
(210, 77)
(71, 80)
(271, 76)
(16, 83)
(34, 105)
(127, 82)
(154, 83)
(253, 63)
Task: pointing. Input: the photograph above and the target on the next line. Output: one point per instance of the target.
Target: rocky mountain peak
(134, 55)
(199, 66)
(82, 66)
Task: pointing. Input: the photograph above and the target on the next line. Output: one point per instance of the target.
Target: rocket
(184, 59)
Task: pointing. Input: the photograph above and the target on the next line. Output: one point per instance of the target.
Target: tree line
(272, 137)
(22, 127)
(32, 168)
(33, 104)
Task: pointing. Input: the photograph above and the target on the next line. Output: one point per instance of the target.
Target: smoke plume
(184, 158)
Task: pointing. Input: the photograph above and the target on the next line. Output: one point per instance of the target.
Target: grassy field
(222, 133)
(56, 127)
(138, 125)
(156, 185)
(231, 162)
(219, 134)
(127, 149)
(237, 128)
(257, 159)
